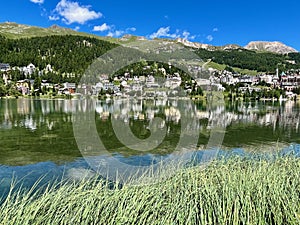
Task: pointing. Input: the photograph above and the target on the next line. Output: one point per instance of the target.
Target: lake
(53, 138)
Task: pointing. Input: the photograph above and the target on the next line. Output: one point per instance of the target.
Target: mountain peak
(231, 46)
(57, 28)
(275, 47)
(130, 37)
(188, 43)
(54, 26)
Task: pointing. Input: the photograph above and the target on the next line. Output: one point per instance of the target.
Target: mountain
(15, 31)
(65, 53)
(67, 50)
(231, 47)
(194, 44)
(265, 46)
(129, 38)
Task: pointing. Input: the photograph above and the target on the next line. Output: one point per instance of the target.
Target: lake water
(50, 138)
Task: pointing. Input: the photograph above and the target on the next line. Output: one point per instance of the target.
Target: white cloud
(37, 1)
(53, 18)
(210, 38)
(103, 27)
(164, 32)
(77, 28)
(215, 29)
(72, 12)
(116, 33)
(112, 31)
(132, 29)
(187, 35)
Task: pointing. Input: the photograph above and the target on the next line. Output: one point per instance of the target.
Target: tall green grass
(231, 191)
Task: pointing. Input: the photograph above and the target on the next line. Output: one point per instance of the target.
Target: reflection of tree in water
(139, 124)
(35, 131)
(249, 122)
(41, 130)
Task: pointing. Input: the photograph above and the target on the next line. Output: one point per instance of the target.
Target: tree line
(252, 60)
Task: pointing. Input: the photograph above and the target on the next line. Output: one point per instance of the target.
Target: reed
(227, 191)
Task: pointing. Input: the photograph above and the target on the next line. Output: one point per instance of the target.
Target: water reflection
(41, 130)
(33, 131)
(36, 134)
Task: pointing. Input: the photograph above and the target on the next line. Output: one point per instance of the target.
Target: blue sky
(213, 22)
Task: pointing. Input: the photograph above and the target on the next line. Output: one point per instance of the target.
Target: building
(69, 88)
(290, 82)
(4, 67)
(28, 70)
(24, 86)
(246, 79)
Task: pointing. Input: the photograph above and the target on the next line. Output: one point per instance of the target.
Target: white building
(29, 70)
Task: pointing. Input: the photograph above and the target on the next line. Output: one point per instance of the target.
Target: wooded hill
(74, 53)
(66, 53)
(252, 60)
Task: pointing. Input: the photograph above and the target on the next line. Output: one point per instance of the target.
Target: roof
(4, 66)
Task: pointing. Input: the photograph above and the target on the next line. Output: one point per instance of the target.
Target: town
(277, 85)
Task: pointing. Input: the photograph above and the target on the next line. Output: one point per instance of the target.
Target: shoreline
(192, 98)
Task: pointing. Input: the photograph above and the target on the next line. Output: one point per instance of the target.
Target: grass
(215, 66)
(221, 67)
(232, 191)
(16, 31)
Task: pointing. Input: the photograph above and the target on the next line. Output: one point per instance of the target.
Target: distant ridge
(261, 46)
(194, 44)
(275, 47)
(56, 27)
(14, 30)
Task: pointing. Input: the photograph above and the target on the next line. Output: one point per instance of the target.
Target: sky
(217, 22)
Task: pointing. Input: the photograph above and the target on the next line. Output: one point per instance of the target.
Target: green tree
(37, 83)
(3, 90)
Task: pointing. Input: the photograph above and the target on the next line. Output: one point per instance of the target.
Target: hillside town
(287, 83)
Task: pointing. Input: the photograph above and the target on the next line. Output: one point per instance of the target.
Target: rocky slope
(193, 44)
(275, 47)
(206, 46)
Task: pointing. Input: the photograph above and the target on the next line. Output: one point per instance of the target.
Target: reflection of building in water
(138, 110)
(282, 116)
(23, 106)
(172, 114)
(32, 113)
